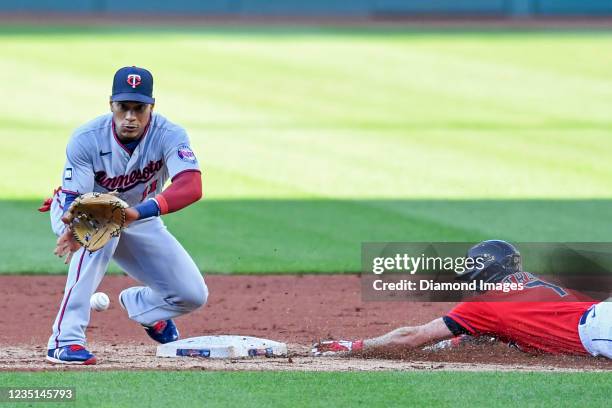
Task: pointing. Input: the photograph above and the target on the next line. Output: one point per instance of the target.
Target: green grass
(313, 141)
(325, 389)
(258, 236)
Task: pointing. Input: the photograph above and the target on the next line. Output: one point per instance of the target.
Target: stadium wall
(357, 8)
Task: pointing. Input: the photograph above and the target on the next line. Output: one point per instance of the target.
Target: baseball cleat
(72, 354)
(336, 347)
(164, 331)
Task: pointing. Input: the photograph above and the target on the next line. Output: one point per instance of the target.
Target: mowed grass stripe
(338, 163)
(324, 389)
(414, 163)
(320, 236)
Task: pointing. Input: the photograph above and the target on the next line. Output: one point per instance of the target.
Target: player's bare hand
(131, 215)
(66, 245)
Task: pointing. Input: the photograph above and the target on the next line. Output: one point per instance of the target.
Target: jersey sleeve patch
(186, 154)
(68, 173)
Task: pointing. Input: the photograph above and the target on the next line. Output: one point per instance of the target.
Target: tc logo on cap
(133, 84)
(133, 80)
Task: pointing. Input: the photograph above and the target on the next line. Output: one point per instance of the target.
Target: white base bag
(222, 347)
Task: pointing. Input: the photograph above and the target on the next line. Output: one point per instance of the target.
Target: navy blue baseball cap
(133, 84)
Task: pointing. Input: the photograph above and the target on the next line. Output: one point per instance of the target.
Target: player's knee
(195, 297)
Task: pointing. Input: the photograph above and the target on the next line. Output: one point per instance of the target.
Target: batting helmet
(498, 259)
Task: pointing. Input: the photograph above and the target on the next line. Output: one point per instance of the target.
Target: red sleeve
(186, 189)
(475, 317)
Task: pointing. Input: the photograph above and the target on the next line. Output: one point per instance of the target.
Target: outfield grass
(279, 236)
(325, 389)
(315, 141)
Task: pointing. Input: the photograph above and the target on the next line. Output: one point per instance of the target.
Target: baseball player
(132, 151)
(541, 318)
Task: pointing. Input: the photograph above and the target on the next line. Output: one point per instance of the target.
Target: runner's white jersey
(97, 161)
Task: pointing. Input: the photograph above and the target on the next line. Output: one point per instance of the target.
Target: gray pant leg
(84, 275)
(174, 285)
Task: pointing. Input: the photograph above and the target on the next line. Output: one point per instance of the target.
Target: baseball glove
(95, 218)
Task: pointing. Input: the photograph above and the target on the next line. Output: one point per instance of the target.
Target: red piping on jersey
(141, 137)
(59, 323)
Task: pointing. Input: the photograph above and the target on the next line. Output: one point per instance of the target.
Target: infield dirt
(294, 309)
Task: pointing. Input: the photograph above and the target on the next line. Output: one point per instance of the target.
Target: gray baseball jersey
(97, 161)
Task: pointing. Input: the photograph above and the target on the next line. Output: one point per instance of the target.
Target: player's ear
(152, 106)
(110, 105)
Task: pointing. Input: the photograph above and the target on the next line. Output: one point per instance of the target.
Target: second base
(223, 346)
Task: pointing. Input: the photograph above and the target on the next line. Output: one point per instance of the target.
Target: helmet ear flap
(494, 273)
(509, 265)
(514, 264)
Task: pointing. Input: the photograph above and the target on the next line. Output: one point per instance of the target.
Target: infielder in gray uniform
(132, 151)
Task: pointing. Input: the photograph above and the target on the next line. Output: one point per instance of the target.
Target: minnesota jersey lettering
(126, 182)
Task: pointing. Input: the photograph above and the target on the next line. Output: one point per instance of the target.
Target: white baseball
(99, 301)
